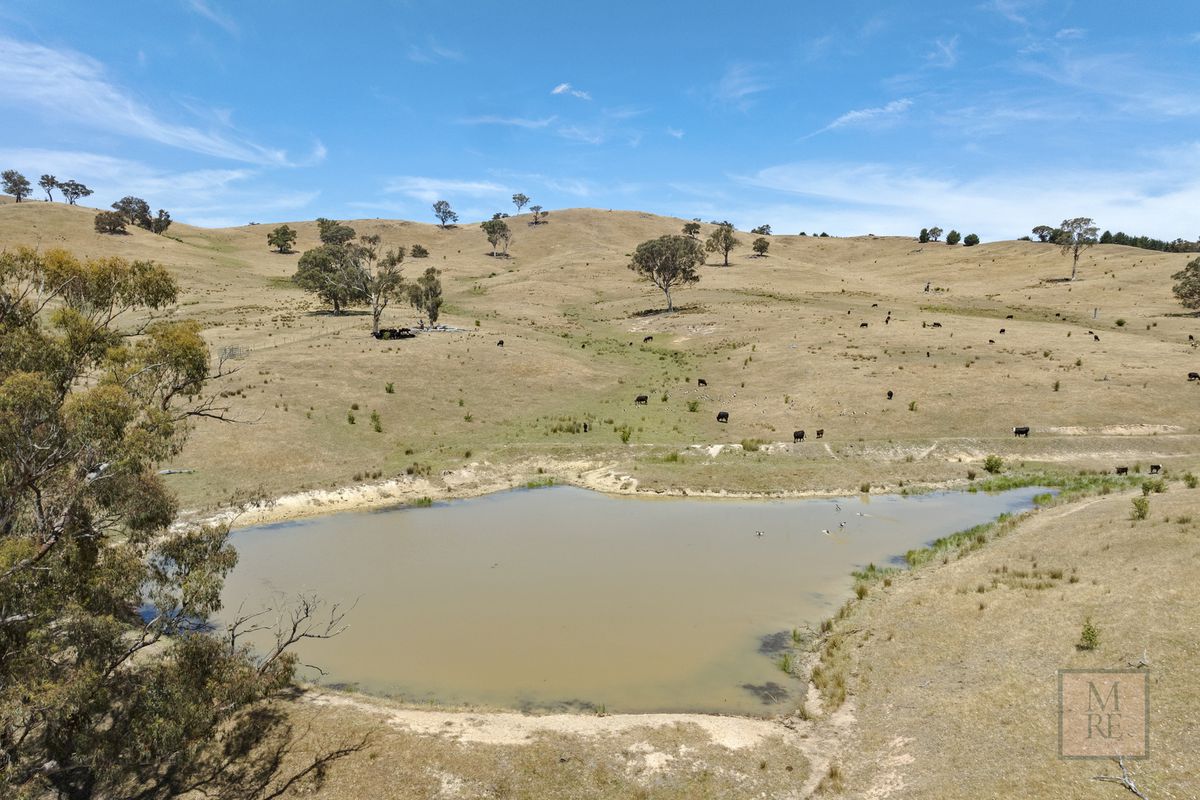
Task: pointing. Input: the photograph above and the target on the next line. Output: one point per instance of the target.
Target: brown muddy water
(565, 598)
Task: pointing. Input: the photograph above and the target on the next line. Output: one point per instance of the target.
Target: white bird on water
(841, 524)
(759, 533)
(825, 531)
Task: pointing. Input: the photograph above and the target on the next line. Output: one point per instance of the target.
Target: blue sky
(851, 117)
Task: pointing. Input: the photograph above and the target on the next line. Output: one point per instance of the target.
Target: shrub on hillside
(109, 222)
(419, 251)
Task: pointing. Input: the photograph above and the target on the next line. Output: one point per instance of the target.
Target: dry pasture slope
(779, 340)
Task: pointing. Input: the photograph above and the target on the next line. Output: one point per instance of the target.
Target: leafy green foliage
(539, 216)
(444, 214)
(282, 239)
(426, 294)
(497, 232)
(109, 222)
(668, 262)
(760, 246)
(15, 183)
(332, 232)
(691, 229)
(970, 240)
(1075, 236)
(48, 183)
(1187, 284)
(935, 233)
(73, 191)
(761, 230)
(923, 236)
(953, 237)
(110, 684)
(722, 241)
(520, 201)
(418, 251)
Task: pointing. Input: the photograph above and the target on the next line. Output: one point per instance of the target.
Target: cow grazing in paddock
(820, 433)
(889, 394)
(936, 325)
(701, 382)
(585, 427)
(500, 343)
(1009, 316)
(874, 305)
(1002, 330)
(647, 340)
(798, 436)
(1122, 470)
(722, 416)
(1095, 337)
(991, 341)
(641, 400)
(1194, 376)
(862, 324)
(1155, 469)
(887, 321)
(1021, 431)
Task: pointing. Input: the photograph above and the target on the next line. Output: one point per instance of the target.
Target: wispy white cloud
(1127, 84)
(432, 52)
(738, 85)
(868, 116)
(1012, 10)
(675, 132)
(215, 197)
(430, 190)
(565, 88)
(1070, 33)
(213, 15)
(581, 133)
(944, 53)
(55, 80)
(885, 199)
(516, 122)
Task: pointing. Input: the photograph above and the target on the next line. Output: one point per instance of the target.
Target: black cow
(641, 400)
(936, 325)
(722, 416)
(1094, 336)
(820, 433)
(991, 341)
(1122, 470)
(798, 436)
(701, 382)
(1191, 338)
(648, 339)
(1155, 469)
(1021, 431)
(887, 321)
(1194, 376)
(500, 343)
(862, 324)
(585, 427)
(1002, 330)
(1009, 316)
(889, 394)
(874, 305)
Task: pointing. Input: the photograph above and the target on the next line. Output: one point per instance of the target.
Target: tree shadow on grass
(693, 308)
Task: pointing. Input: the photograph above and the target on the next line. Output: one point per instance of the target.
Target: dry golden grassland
(778, 340)
(935, 683)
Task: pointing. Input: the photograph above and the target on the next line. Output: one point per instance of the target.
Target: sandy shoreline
(483, 478)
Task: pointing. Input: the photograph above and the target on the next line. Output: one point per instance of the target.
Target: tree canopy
(1076, 235)
(953, 237)
(520, 201)
(970, 240)
(282, 238)
(48, 183)
(15, 184)
(443, 212)
(760, 246)
(328, 272)
(425, 294)
(73, 191)
(333, 232)
(497, 232)
(109, 222)
(113, 683)
(935, 233)
(668, 262)
(761, 230)
(691, 229)
(722, 241)
(1187, 284)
